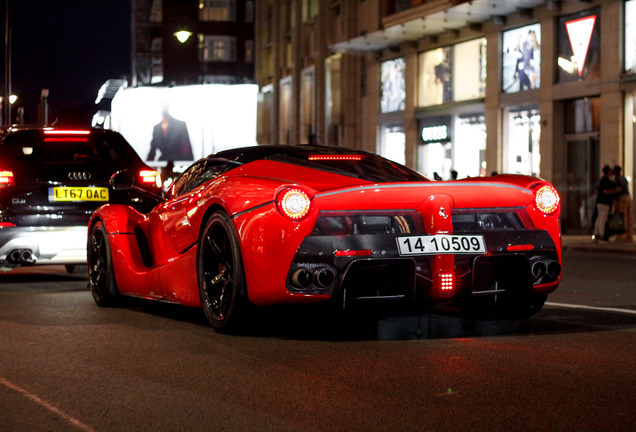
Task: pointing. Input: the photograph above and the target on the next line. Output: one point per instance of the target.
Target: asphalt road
(69, 365)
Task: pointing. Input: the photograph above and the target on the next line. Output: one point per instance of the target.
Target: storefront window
(434, 159)
(393, 143)
(452, 146)
(469, 152)
(579, 46)
(521, 59)
(583, 115)
(630, 36)
(521, 147)
(393, 86)
(452, 74)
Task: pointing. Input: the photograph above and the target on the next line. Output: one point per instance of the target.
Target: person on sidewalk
(604, 200)
(623, 204)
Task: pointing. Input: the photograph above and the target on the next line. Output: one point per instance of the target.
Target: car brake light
(150, 178)
(446, 284)
(66, 132)
(6, 179)
(335, 157)
(293, 203)
(546, 199)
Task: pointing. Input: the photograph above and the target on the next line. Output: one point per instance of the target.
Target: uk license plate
(441, 244)
(68, 193)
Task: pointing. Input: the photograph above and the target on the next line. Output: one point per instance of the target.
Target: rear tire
(221, 276)
(101, 277)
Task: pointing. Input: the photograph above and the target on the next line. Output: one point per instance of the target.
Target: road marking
(595, 308)
(47, 405)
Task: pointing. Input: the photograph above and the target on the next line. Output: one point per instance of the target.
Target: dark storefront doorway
(583, 174)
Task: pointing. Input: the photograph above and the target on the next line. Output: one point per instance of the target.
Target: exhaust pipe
(538, 269)
(21, 256)
(323, 277)
(302, 278)
(554, 269)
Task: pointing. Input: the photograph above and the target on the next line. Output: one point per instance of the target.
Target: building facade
(452, 87)
(181, 42)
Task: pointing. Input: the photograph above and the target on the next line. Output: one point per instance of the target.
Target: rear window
(362, 165)
(33, 146)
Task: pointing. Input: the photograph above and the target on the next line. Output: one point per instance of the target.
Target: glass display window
(630, 36)
(521, 59)
(393, 86)
(452, 74)
(579, 47)
(521, 152)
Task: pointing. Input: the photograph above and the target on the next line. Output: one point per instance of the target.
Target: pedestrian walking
(604, 200)
(623, 204)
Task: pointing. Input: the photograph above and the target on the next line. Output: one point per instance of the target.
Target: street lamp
(183, 35)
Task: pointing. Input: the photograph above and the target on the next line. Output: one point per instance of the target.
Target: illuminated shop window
(630, 36)
(521, 59)
(452, 74)
(393, 86)
(579, 51)
(521, 146)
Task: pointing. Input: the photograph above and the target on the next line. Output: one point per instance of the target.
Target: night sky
(70, 47)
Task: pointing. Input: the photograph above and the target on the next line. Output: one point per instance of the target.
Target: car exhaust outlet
(21, 256)
(14, 256)
(302, 278)
(538, 269)
(323, 277)
(26, 256)
(554, 269)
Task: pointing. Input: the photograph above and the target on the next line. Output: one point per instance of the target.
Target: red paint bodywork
(269, 241)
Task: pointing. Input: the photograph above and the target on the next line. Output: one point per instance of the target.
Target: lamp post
(7, 64)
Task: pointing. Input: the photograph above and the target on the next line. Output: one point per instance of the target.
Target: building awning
(415, 23)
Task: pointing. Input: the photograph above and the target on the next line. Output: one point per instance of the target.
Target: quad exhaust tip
(320, 277)
(21, 256)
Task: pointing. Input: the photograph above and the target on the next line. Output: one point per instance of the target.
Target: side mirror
(122, 180)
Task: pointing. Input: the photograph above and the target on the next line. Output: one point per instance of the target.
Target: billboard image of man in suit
(170, 139)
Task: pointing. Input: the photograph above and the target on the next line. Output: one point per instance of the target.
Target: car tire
(221, 276)
(101, 277)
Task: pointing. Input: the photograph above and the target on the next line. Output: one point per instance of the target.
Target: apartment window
(217, 48)
(249, 51)
(217, 10)
(310, 10)
(249, 11)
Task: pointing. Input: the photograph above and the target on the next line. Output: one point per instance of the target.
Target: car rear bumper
(42, 245)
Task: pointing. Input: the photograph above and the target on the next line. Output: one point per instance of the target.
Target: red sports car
(270, 225)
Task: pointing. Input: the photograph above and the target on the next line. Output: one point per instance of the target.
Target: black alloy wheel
(101, 277)
(220, 273)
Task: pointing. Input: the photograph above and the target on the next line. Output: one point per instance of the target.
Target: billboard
(182, 124)
(521, 59)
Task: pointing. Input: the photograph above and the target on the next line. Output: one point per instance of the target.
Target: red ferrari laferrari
(270, 225)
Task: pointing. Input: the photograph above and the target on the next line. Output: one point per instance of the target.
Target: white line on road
(47, 405)
(595, 308)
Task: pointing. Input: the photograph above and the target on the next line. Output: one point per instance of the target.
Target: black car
(52, 180)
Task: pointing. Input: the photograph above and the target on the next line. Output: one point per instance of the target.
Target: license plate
(441, 244)
(67, 193)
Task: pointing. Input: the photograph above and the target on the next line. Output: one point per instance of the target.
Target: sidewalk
(584, 242)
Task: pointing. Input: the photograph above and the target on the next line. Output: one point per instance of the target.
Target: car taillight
(293, 203)
(546, 199)
(150, 178)
(66, 132)
(446, 284)
(6, 179)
